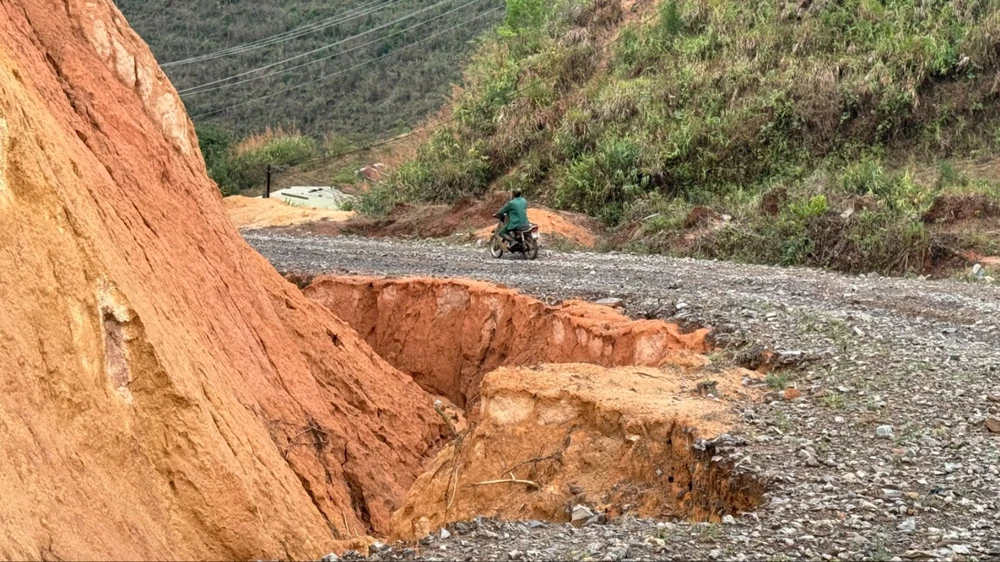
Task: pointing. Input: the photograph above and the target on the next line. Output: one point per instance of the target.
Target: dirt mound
(254, 212)
(449, 333)
(949, 209)
(166, 395)
(551, 223)
(619, 441)
(470, 217)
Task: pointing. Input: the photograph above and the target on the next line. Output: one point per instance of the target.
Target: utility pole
(267, 186)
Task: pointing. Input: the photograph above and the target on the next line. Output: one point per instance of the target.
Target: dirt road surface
(885, 454)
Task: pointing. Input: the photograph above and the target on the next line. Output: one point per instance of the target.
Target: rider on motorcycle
(517, 215)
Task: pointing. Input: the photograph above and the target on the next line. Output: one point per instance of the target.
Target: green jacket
(517, 212)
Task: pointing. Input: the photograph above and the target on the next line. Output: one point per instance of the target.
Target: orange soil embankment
(471, 218)
(449, 333)
(255, 212)
(166, 395)
(551, 223)
(617, 440)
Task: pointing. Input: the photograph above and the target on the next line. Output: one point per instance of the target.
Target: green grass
(730, 105)
(777, 381)
(374, 101)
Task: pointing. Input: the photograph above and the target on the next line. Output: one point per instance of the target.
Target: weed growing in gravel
(834, 401)
(782, 422)
(717, 357)
(708, 532)
(880, 553)
(777, 381)
(908, 434)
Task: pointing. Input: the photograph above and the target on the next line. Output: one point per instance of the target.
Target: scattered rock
(330, 558)
(580, 515)
(612, 302)
(908, 525)
(884, 432)
(445, 534)
(992, 425)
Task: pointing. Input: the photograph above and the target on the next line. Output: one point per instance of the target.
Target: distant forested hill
(326, 95)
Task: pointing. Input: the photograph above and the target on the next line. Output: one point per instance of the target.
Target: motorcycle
(523, 240)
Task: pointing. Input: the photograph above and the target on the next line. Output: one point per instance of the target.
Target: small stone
(728, 520)
(575, 490)
(330, 558)
(908, 525)
(883, 432)
(514, 555)
(445, 533)
(616, 553)
(580, 515)
(952, 467)
(656, 541)
(792, 393)
(715, 554)
(912, 495)
(889, 493)
(959, 549)
(378, 546)
(979, 271)
(612, 302)
(992, 425)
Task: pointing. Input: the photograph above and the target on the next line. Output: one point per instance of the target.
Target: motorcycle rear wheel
(532, 252)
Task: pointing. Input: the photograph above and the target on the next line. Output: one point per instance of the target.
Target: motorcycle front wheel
(496, 247)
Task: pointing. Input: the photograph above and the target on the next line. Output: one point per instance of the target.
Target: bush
(237, 167)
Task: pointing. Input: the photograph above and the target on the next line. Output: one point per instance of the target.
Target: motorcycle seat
(524, 227)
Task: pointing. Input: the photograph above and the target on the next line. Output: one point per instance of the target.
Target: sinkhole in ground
(567, 405)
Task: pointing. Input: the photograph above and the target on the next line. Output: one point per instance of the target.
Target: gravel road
(915, 360)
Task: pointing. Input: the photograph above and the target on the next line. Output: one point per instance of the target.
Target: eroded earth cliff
(165, 393)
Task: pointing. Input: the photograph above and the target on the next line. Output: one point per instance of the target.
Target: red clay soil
(616, 440)
(449, 333)
(949, 209)
(470, 217)
(166, 395)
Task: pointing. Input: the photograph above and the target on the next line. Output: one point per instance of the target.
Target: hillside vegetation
(814, 132)
(388, 95)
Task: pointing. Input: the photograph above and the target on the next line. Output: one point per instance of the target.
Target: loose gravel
(883, 454)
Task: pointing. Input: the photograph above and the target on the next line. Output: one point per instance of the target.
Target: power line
(441, 124)
(201, 89)
(359, 65)
(330, 45)
(347, 16)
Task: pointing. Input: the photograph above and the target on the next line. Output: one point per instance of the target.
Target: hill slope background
(327, 87)
(853, 134)
(386, 96)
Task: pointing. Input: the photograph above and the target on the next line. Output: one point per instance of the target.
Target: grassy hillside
(369, 102)
(811, 132)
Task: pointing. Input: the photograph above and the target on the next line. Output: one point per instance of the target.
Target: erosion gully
(883, 453)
